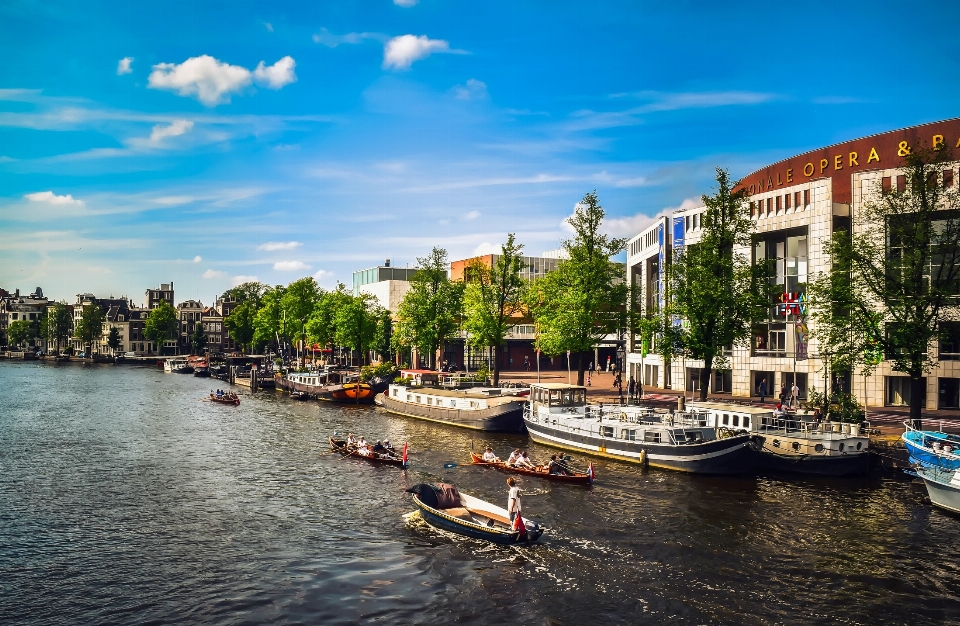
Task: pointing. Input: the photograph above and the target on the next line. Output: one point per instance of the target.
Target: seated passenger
(489, 456)
(512, 460)
(524, 461)
(386, 444)
(351, 440)
(553, 467)
(378, 448)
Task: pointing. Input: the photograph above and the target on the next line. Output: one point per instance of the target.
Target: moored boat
(931, 448)
(484, 408)
(351, 392)
(576, 478)
(943, 486)
(558, 415)
(444, 506)
(340, 445)
(177, 366)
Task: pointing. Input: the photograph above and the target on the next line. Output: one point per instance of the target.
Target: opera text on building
(796, 204)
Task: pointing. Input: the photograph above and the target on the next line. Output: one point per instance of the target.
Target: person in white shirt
(513, 499)
(794, 395)
(351, 440)
(512, 460)
(524, 461)
(489, 456)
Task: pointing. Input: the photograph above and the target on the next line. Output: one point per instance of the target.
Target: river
(126, 498)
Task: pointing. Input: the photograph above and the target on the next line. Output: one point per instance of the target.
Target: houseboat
(177, 365)
(331, 384)
(794, 442)
(480, 408)
(557, 414)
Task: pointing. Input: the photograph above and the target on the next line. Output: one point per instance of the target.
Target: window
(796, 199)
(753, 209)
(726, 419)
(736, 420)
(769, 206)
(779, 202)
(13, 316)
(686, 222)
(901, 183)
(786, 201)
(629, 435)
(898, 390)
(607, 431)
(651, 437)
(948, 178)
(806, 197)
(950, 341)
(746, 421)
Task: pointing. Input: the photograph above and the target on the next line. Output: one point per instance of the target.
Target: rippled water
(124, 498)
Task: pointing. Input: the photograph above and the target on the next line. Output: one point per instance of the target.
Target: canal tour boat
(481, 408)
(557, 415)
(794, 442)
(446, 508)
(931, 448)
(943, 485)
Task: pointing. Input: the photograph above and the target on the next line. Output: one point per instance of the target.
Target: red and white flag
(590, 471)
(404, 453)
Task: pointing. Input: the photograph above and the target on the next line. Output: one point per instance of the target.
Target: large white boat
(558, 415)
(480, 408)
(794, 442)
(177, 366)
(943, 486)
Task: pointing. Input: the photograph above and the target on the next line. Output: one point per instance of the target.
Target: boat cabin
(421, 377)
(558, 398)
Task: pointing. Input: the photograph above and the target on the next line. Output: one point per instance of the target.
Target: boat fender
(623, 416)
(643, 457)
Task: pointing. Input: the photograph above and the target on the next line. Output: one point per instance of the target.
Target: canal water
(126, 498)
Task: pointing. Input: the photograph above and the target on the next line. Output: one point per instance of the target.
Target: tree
(19, 332)
(383, 341)
(717, 291)
(161, 324)
(585, 298)
(114, 340)
(251, 291)
(59, 323)
(321, 326)
(198, 341)
(355, 322)
(430, 312)
(492, 298)
(90, 326)
(240, 323)
(894, 283)
(270, 323)
(298, 303)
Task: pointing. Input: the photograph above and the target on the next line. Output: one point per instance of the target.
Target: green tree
(298, 303)
(114, 340)
(355, 323)
(90, 326)
(161, 324)
(894, 284)
(383, 342)
(240, 323)
(270, 323)
(321, 326)
(430, 312)
(198, 341)
(60, 323)
(717, 291)
(493, 300)
(19, 332)
(585, 298)
(252, 291)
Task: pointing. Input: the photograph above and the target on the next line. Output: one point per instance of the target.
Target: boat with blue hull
(444, 507)
(943, 486)
(931, 448)
(557, 415)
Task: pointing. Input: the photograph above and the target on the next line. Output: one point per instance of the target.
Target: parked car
(128, 355)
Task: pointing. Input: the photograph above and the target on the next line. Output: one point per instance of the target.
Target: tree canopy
(59, 323)
(90, 326)
(161, 324)
(251, 291)
(19, 332)
(240, 323)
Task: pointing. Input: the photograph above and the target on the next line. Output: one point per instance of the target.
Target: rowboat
(583, 479)
(339, 445)
(444, 507)
(352, 392)
(227, 398)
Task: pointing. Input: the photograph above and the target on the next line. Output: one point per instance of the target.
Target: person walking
(762, 390)
(631, 388)
(783, 394)
(794, 395)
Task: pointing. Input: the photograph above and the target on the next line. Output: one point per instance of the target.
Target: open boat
(444, 507)
(339, 445)
(931, 448)
(583, 479)
(943, 485)
(227, 398)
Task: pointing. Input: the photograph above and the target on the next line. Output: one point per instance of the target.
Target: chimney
(386, 263)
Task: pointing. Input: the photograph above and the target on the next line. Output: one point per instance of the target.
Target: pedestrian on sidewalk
(589, 383)
(639, 389)
(783, 394)
(631, 388)
(794, 395)
(762, 390)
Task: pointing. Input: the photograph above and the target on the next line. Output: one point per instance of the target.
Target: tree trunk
(917, 392)
(581, 365)
(496, 366)
(705, 373)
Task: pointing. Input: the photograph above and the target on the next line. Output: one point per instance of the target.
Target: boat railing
(793, 425)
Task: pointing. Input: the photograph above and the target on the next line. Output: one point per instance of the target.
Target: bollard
(680, 403)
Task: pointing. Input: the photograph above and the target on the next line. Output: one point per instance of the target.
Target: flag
(590, 471)
(404, 453)
(519, 526)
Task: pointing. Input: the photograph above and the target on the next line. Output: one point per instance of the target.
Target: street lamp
(621, 353)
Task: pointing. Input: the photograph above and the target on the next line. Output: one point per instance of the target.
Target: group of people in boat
(381, 449)
(220, 394)
(519, 459)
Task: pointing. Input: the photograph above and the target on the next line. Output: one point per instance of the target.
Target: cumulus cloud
(406, 3)
(323, 276)
(634, 224)
(173, 129)
(239, 280)
(268, 26)
(473, 90)
(487, 248)
(471, 215)
(271, 246)
(214, 274)
(197, 259)
(290, 266)
(212, 81)
(123, 67)
(401, 52)
(49, 197)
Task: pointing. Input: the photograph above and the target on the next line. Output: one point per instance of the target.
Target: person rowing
(524, 461)
(378, 448)
(387, 446)
(351, 440)
(512, 459)
(489, 456)
(363, 448)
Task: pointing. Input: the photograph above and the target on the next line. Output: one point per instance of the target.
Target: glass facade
(380, 274)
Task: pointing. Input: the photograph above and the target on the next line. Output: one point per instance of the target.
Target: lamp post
(621, 353)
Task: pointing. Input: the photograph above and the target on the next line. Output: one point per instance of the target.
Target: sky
(217, 142)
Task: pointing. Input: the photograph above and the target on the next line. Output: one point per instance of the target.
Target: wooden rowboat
(582, 479)
(233, 399)
(339, 445)
(444, 507)
(352, 392)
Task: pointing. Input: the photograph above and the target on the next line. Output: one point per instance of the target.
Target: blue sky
(207, 142)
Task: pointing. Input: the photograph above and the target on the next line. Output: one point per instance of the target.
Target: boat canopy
(558, 394)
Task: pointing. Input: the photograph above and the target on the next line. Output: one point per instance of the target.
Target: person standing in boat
(513, 499)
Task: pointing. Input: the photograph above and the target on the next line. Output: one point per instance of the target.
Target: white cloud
(239, 280)
(214, 274)
(471, 215)
(212, 81)
(269, 26)
(330, 40)
(277, 75)
(290, 266)
(123, 67)
(174, 129)
(324, 277)
(406, 3)
(197, 259)
(400, 52)
(487, 248)
(634, 224)
(271, 246)
(49, 197)
(473, 90)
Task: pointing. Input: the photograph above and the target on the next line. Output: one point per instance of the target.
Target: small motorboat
(299, 395)
(943, 485)
(931, 448)
(444, 507)
(201, 371)
(540, 472)
(340, 445)
(227, 398)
